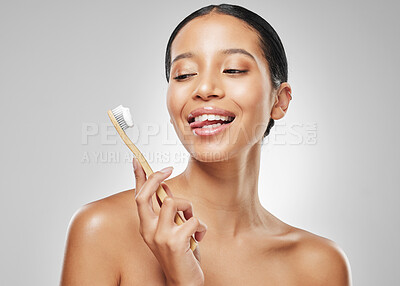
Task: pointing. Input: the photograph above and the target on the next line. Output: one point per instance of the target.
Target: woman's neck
(225, 194)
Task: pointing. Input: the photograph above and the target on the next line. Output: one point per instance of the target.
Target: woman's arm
(90, 255)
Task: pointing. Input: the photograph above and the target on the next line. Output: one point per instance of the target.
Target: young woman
(227, 82)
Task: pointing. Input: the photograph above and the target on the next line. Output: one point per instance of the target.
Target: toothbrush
(122, 120)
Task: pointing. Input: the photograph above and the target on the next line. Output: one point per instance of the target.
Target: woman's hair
(270, 42)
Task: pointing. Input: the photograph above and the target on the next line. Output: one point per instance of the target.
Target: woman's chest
(248, 269)
(234, 268)
(218, 275)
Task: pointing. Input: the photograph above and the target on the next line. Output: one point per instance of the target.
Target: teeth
(212, 125)
(205, 117)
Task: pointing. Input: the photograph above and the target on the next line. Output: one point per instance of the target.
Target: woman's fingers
(169, 243)
(140, 175)
(168, 211)
(194, 225)
(149, 224)
(144, 195)
(196, 253)
(167, 190)
(166, 221)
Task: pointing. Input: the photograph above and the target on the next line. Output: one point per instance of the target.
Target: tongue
(199, 124)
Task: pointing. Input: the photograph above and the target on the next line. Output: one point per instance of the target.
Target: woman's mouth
(209, 120)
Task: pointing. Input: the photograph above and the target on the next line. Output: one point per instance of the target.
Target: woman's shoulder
(99, 221)
(319, 259)
(96, 234)
(104, 215)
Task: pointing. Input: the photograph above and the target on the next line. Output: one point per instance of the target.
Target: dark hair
(270, 42)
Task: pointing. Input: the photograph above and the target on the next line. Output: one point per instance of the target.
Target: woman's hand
(169, 242)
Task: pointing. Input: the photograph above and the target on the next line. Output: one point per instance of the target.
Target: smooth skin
(127, 239)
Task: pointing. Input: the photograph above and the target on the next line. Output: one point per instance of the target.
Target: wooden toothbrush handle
(161, 193)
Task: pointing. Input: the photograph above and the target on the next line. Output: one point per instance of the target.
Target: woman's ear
(282, 98)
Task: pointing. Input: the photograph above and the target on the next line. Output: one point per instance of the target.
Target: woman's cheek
(248, 92)
(170, 105)
(251, 95)
(175, 104)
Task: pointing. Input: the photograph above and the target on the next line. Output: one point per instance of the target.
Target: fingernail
(166, 170)
(134, 164)
(202, 222)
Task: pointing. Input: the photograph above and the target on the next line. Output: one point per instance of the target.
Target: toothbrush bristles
(117, 112)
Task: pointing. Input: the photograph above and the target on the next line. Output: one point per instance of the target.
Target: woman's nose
(208, 87)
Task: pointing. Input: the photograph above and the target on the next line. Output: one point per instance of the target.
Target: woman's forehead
(213, 33)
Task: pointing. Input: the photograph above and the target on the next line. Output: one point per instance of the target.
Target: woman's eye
(229, 71)
(233, 71)
(183, 76)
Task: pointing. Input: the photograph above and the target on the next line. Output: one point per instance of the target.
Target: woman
(221, 61)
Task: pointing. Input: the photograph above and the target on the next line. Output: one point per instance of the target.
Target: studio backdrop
(330, 166)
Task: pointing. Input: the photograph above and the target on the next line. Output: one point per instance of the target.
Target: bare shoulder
(95, 239)
(100, 221)
(320, 261)
(102, 213)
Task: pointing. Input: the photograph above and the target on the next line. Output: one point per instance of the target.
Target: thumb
(196, 253)
(140, 175)
(167, 190)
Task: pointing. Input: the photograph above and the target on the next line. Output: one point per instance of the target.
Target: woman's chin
(216, 148)
(212, 153)
(210, 156)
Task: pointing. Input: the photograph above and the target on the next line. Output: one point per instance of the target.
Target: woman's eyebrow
(182, 56)
(238, 51)
(225, 52)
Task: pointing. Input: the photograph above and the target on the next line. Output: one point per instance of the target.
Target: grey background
(64, 63)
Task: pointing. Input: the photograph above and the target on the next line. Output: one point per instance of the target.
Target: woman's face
(217, 62)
